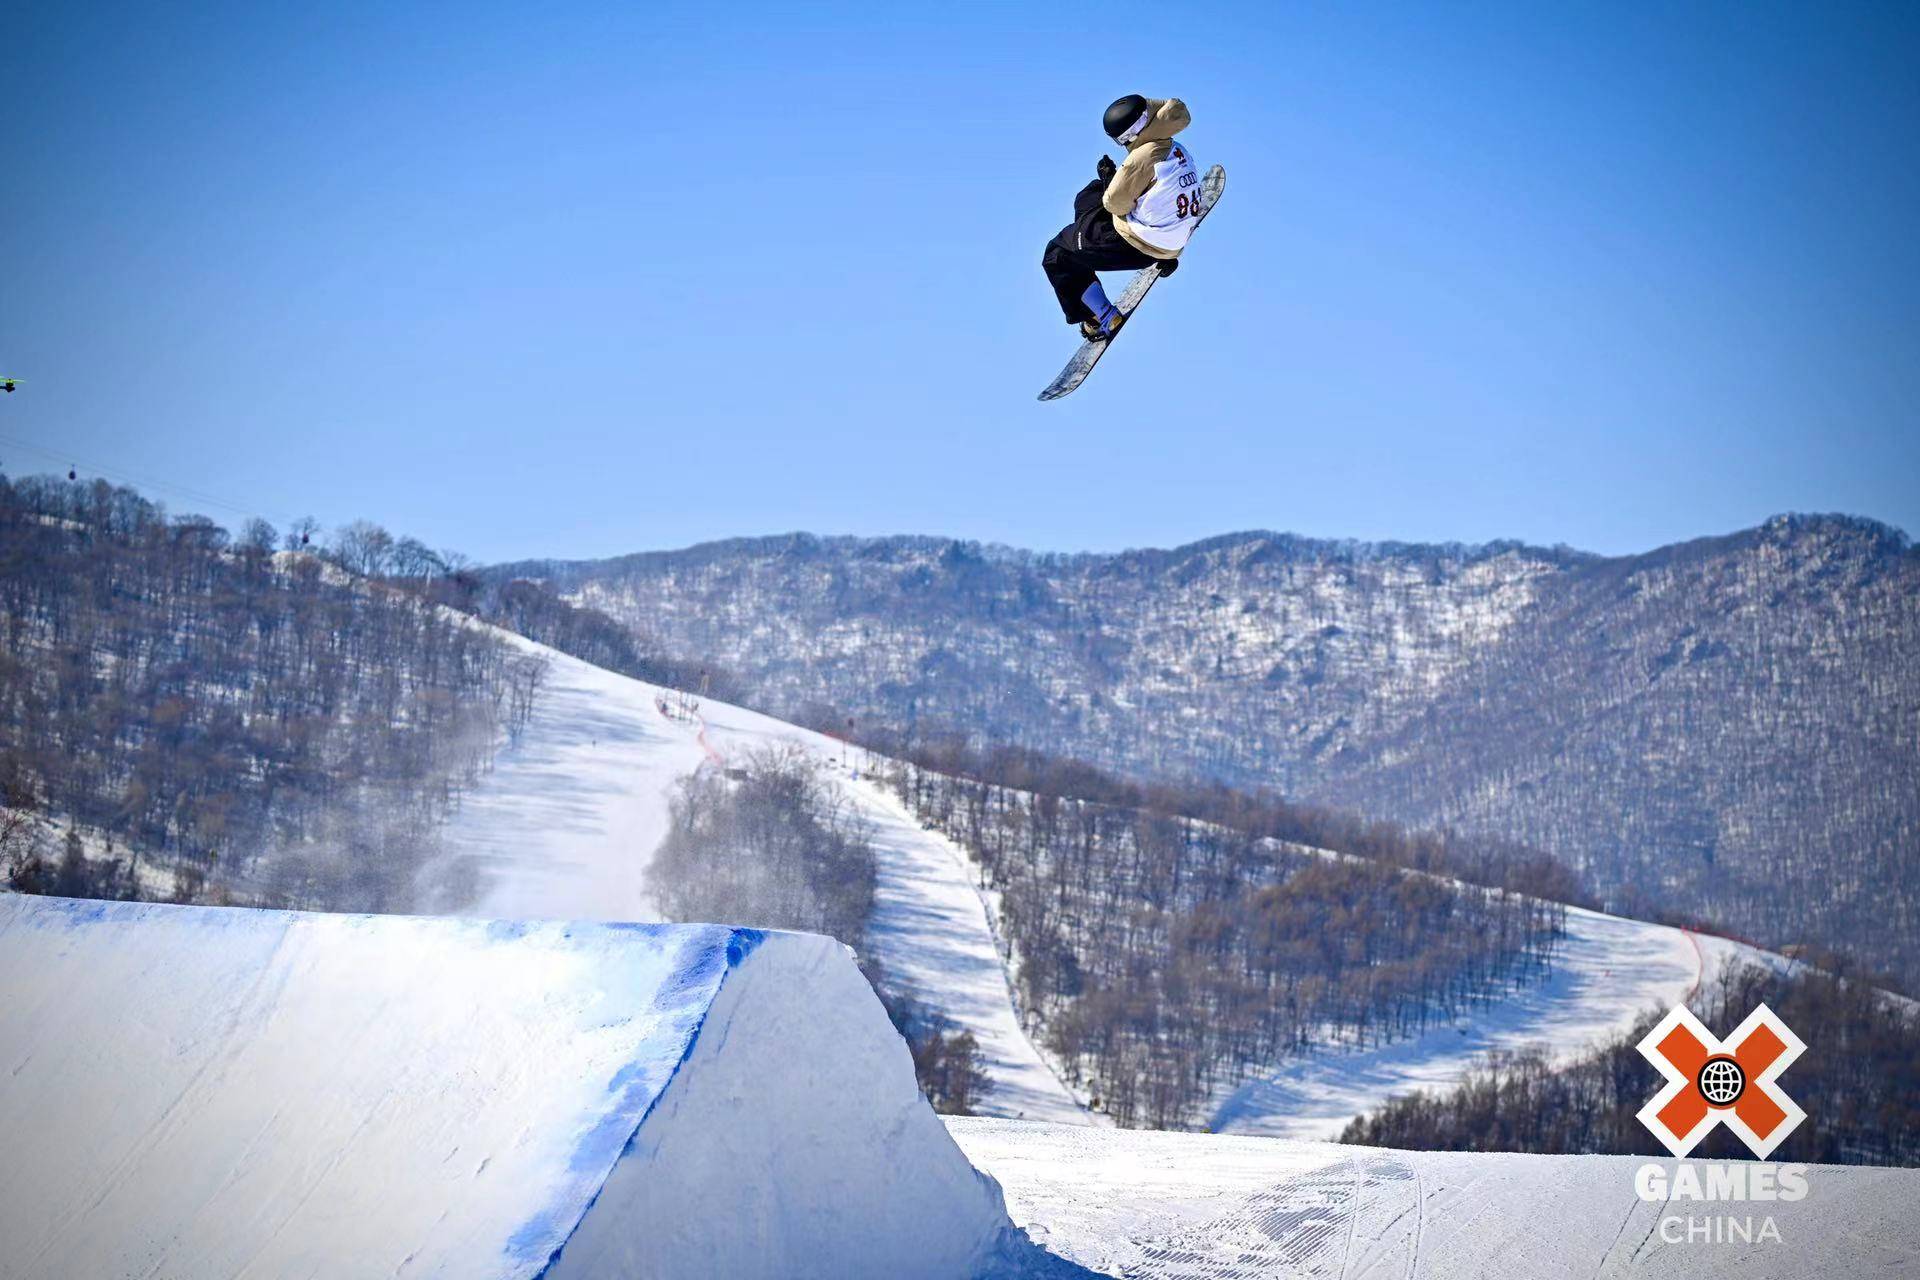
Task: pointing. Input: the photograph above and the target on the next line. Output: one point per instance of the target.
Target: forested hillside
(1859, 1083)
(1727, 729)
(247, 723)
(1163, 957)
(768, 842)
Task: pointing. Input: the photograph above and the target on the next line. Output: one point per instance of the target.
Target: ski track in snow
(1608, 972)
(564, 824)
(929, 930)
(1174, 1206)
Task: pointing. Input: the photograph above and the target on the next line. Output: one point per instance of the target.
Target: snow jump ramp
(209, 1092)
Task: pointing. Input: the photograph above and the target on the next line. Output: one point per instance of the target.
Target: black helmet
(1123, 113)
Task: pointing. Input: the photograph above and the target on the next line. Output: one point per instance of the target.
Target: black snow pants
(1088, 244)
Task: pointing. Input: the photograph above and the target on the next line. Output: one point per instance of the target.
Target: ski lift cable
(126, 477)
(117, 473)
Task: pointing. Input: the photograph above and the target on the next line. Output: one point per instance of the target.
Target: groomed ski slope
(212, 1092)
(565, 823)
(567, 820)
(930, 930)
(563, 826)
(1181, 1206)
(1609, 971)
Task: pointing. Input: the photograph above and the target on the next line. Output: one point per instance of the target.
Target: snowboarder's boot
(1106, 318)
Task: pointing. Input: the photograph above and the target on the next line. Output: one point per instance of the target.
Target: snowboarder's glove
(1168, 266)
(1106, 168)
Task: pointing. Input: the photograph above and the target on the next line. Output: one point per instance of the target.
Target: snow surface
(198, 1091)
(795, 1142)
(1608, 972)
(564, 825)
(930, 928)
(1141, 1204)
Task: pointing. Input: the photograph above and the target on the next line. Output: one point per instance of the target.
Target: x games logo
(1710, 1083)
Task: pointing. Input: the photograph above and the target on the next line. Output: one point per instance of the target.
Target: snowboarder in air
(1132, 215)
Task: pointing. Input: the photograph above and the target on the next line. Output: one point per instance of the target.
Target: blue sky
(582, 280)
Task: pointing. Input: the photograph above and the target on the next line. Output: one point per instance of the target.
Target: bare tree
(254, 728)
(19, 823)
(259, 537)
(525, 674)
(412, 558)
(363, 547)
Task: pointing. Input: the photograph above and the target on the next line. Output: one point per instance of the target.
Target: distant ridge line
(1302, 546)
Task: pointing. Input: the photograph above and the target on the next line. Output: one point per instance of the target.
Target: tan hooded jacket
(1135, 174)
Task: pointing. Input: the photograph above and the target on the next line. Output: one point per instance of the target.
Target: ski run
(566, 821)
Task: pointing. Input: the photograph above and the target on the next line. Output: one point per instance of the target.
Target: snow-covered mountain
(1728, 728)
(559, 801)
(565, 823)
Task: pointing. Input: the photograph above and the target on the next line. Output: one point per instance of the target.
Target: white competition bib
(1165, 214)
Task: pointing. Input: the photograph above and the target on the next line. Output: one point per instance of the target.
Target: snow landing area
(1178, 1206)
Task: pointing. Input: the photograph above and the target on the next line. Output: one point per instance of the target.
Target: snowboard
(1093, 348)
